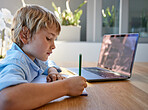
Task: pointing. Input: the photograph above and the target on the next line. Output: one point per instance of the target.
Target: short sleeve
(11, 75)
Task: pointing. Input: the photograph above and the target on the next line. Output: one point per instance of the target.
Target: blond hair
(34, 18)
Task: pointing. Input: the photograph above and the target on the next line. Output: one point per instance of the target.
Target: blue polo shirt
(18, 68)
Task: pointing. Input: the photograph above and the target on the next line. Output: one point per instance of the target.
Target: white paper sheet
(42, 79)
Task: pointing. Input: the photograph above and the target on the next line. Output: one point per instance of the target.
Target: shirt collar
(35, 64)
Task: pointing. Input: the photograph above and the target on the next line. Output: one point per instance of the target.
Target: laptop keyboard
(102, 73)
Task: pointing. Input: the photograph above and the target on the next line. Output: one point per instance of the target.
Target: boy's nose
(53, 46)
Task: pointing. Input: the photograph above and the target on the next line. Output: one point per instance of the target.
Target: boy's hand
(53, 75)
(75, 85)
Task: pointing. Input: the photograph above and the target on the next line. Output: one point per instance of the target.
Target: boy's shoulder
(14, 57)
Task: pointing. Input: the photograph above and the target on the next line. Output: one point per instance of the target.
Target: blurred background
(98, 17)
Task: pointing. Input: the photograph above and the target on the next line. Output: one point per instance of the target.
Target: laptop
(116, 59)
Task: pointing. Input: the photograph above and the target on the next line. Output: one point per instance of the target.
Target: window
(110, 16)
(116, 16)
(138, 18)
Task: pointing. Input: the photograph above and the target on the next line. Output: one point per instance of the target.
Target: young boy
(34, 30)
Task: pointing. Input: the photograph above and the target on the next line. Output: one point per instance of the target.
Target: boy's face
(41, 44)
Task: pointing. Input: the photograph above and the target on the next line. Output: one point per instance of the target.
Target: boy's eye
(47, 38)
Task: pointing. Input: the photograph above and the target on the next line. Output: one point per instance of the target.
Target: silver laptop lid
(118, 52)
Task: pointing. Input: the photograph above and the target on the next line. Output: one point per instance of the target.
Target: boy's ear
(25, 35)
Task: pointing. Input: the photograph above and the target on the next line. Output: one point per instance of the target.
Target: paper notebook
(42, 79)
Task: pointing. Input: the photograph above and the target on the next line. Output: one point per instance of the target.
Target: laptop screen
(117, 52)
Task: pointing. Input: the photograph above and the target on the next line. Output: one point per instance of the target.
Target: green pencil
(80, 62)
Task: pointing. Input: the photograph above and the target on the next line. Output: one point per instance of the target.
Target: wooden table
(113, 95)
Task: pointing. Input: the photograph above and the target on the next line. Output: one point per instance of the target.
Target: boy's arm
(51, 64)
(31, 95)
(52, 71)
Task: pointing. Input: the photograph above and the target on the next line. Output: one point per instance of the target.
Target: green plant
(109, 17)
(144, 19)
(67, 17)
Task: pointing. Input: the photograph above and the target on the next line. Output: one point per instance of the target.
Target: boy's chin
(43, 59)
